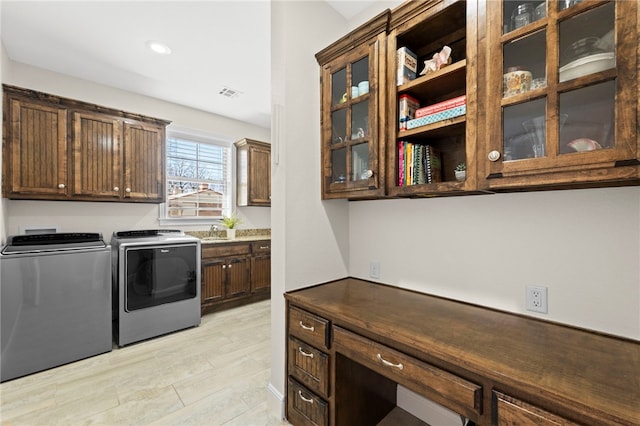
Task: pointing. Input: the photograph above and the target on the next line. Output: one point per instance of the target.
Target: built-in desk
(350, 342)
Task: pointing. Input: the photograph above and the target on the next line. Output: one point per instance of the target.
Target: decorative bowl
(588, 65)
(584, 144)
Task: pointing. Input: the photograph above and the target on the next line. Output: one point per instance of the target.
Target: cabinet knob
(230, 266)
(61, 186)
(115, 188)
(224, 266)
(369, 174)
(494, 156)
(127, 190)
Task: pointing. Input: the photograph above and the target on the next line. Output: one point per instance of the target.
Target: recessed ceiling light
(158, 47)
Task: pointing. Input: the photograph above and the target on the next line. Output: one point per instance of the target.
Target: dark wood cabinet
(253, 173)
(261, 266)
(572, 120)
(63, 149)
(97, 149)
(144, 161)
(550, 100)
(235, 273)
(421, 157)
(351, 342)
(35, 148)
(353, 93)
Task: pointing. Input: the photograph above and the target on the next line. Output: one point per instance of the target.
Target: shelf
(448, 80)
(439, 128)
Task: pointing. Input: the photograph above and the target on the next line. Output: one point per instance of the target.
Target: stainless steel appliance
(56, 301)
(156, 283)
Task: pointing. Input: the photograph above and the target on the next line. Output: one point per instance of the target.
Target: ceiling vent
(229, 93)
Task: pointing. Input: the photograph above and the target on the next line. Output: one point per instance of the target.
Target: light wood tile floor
(214, 374)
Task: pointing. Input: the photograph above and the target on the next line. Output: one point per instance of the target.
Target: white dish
(588, 65)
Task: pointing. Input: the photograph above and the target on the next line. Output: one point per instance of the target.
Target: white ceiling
(215, 44)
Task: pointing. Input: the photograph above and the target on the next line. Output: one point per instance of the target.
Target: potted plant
(461, 171)
(230, 223)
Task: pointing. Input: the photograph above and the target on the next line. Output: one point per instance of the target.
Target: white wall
(3, 217)
(309, 237)
(109, 217)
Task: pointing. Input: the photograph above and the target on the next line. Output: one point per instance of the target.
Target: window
(198, 178)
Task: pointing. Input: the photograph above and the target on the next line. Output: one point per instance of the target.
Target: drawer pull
(306, 327)
(303, 353)
(264, 247)
(390, 364)
(307, 400)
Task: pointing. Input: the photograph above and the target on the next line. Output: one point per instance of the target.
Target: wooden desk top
(594, 374)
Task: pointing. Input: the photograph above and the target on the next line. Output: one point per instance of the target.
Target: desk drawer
(512, 411)
(452, 391)
(304, 407)
(309, 366)
(308, 327)
(224, 249)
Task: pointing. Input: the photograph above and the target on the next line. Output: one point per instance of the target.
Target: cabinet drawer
(309, 366)
(512, 411)
(223, 249)
(308, 327)
(450, 390)
(304, 407)
(261, 247)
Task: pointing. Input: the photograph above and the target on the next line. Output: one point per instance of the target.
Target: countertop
(242, 235)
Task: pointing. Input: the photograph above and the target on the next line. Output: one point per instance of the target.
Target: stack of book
(444, 110)
(418, 164)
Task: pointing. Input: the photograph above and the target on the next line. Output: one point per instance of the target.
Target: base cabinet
(351, 342)
(235, 273)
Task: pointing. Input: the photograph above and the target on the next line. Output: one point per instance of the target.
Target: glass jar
(522, 15)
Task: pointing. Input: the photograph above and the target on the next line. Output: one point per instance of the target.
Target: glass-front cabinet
(562, 93)
(351, 93)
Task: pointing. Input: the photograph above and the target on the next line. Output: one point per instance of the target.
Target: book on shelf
(418, 164)
(438, 116)
(441, 106)
(407, 65)
(407, 106)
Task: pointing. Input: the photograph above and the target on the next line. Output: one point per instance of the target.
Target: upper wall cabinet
(61, 149)
(353, 126)
(432, 102)
(562, 101)
(253, 173)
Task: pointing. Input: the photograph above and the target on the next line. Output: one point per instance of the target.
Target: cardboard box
(407, 65)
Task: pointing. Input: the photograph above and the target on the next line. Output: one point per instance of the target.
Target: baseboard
(426, 410)
(275, 402)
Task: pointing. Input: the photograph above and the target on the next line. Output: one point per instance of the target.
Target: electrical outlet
(537, 299)
(374, 269)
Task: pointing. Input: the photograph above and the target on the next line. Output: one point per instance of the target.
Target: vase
(231, 234)
(461, 174)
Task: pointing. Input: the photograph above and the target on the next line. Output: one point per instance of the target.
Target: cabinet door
(260, 273)
(352, 144)
(97, 151)
(259, 176)
(143, 162)
(214, 274)
(254, 173)
(562, 93)
(238, 277)
(36, 150)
